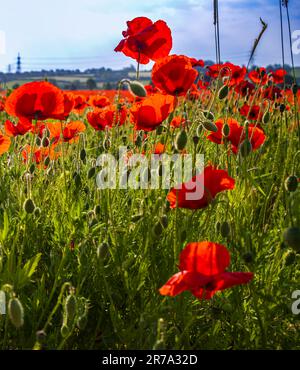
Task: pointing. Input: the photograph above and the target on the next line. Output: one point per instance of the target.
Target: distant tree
(15, 86)
(91, 84)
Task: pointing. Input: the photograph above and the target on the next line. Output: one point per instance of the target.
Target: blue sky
(83, 33)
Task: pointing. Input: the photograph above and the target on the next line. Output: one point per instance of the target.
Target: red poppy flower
(259, 76)
(236, 74)
(109, 116)
(21, 128)
(244, 88)
(278, 76)
(174, 75)
(99, 101)
(159, 148)
(271, 93)
(251, 114)
(197, 62)
(237, 134)
(177, 121)
(69, 104)
(70, 132)
(40, 154)
(151, 111)
(4, 143)
(35, 100)
(203, 271)
(202, 85)
(201, 190)
(145, 40)
(2, 103)
(80, 103)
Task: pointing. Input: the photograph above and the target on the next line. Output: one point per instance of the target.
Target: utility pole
(19, 63)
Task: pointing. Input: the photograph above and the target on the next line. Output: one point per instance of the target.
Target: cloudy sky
(82, 34)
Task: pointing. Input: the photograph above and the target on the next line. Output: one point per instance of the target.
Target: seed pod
(223, 92)
(266, 117)
(289, 258)
(91, 173)
(71, 307)
(291, 237)
(29, 206)
(45, 142)
(16, 312)
(226, 130)
(82, 155)
(181, 140)
(225, 229)
(103, 250)
(245, 148)
(291, 183)
(41, 336)
(210, 126)
(47, 161)
(137, 89)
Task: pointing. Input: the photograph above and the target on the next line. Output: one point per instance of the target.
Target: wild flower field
(88, 265)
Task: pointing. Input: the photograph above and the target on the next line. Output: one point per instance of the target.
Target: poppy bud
(103, 250)
(291, 183)
(82, 155)
(223, 92)
(46, 133)
(208, 115)
(295, 89)
(210, 126)
(71, 307)
(38, 141)
(282, 108)
(224, 229)
(64, 330)
(226, 130)
(266, 117)
(196, 140)
(47, 161)
(181, 140)
(245, 148)
(138, 142)
(218, 226)
(137, 89)
(290, 258)
(91, 173)
(97, 210)
(82, 322)
(77, 180)
(32, 168)
(40, 336)
(158, 229)
(227, 307)
(136, 218)
(291, 237)
(164, 221)
(29, 206)
(37, 212)
(16, 312)
(45, 142)
(106, 144)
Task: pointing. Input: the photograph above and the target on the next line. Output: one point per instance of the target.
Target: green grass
(117, 295)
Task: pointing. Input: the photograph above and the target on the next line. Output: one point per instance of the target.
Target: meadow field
(87, 264)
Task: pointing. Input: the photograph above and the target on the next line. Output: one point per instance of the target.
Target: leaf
(31, 265)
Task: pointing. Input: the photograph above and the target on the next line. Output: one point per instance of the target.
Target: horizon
(92, 43)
